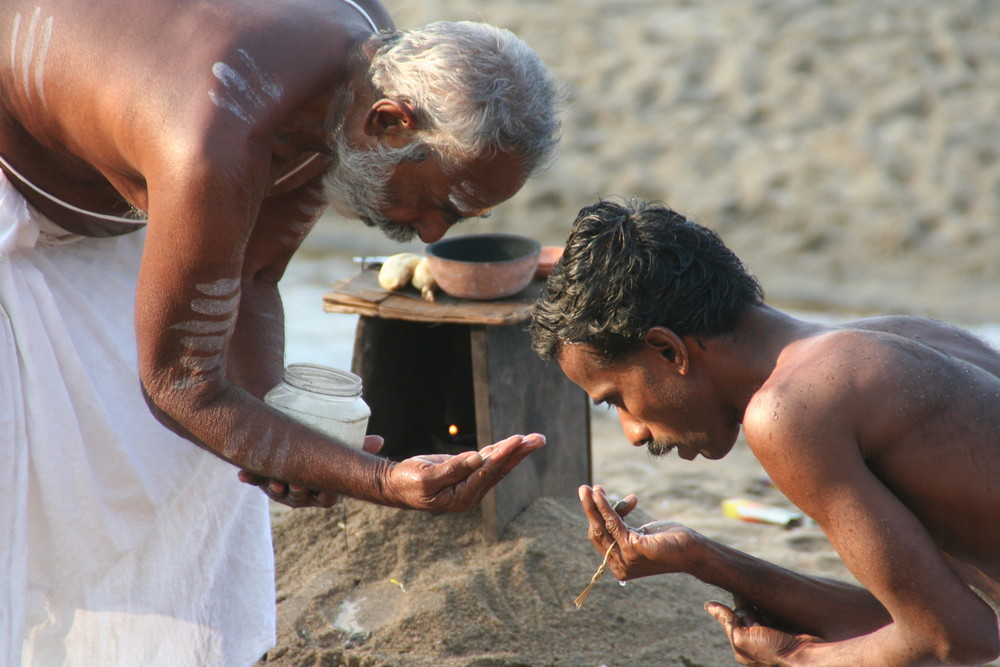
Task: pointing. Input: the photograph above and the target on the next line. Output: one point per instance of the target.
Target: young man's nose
(634, 430)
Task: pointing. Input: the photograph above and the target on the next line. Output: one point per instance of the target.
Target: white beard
(356, 186)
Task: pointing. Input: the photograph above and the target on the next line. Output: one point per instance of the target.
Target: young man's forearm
(822, 607)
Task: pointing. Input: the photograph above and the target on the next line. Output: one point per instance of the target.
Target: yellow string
(593, 580)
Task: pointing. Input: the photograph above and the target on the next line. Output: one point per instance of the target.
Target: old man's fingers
(288, 494)
(457, 483)
(625, 506)
(296, 496)
(502, 457)
(729, 622)
(373, 444)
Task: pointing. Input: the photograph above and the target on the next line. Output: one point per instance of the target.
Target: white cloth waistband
(21, 226)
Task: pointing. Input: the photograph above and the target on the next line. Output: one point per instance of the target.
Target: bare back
(99, 101)
(887, 431)
(944, 458)
(943, 337)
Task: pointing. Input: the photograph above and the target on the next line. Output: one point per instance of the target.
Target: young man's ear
(669, 346)
(392, 121)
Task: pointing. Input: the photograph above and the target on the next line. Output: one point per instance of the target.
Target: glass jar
(325, 399)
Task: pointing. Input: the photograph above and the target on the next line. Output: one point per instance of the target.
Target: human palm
(755, 644)
(654, 548)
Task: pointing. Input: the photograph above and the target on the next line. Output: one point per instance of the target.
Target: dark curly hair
(630, 267)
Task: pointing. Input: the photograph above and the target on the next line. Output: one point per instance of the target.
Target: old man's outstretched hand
(443, 483)
(434, 482)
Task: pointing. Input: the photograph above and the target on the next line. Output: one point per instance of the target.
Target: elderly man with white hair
(162, 161)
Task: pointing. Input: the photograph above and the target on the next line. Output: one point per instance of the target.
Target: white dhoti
(127, 545)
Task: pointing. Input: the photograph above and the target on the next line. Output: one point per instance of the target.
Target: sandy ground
(849, 152)
(368, 586)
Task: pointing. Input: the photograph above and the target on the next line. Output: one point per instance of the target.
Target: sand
(849, 152)
(368, 586)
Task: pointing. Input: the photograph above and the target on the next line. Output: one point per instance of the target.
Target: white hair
(476, 89)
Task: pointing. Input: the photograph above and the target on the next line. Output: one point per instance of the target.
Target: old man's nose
(431, 229)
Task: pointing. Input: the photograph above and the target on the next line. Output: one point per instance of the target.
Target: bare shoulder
(946, 338)
(814, 383)
(886, 386)
(840, 383)
(126, 89)
(70, 56)
(855, 411)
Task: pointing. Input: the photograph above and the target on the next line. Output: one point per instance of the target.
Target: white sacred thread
(363, 13)
(297, 169)
(76, 209)
(228, 76)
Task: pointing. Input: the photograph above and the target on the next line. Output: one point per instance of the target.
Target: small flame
(453, 429)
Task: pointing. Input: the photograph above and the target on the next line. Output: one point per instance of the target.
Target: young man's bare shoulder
(821, 384)
(866, 388)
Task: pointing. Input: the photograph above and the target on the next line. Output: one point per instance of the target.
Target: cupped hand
(753, 643)
(296, 496)
(442, 483)
(655, 548)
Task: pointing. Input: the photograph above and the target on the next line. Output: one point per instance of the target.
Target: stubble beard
(660, 448)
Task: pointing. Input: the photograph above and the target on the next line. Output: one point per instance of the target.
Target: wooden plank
(516, 392)
(362, 295)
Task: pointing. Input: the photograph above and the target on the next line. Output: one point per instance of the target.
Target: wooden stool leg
(516, 392)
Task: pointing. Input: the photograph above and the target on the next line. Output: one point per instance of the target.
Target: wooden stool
(458, 375)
